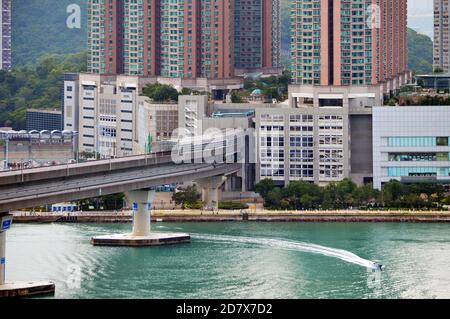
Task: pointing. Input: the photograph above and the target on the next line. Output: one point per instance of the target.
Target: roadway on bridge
(36, 193)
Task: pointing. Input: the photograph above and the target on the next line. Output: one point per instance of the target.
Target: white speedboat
(378, 266)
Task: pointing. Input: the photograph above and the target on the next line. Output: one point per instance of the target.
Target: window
(442, 141)
(301, 141)
(331, 102)
(414, 157)
(412, 141)
(417, 171)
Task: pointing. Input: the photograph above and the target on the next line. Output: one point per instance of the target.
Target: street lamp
(75, 150)
(6, 135)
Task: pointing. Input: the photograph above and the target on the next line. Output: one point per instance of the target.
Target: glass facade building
(411, 144)
(44, 120)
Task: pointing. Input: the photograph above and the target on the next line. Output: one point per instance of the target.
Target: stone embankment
(222, 216)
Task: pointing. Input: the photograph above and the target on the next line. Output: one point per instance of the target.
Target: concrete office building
(325, 134)
(200, 119)
(292, 141)
(156, 125)
(441, 43)
(257, 36)
(70, 101)
(313, 144)
(112, 117)
(5, 35)
(196, 114)
(288, 143)
(349, 43)
(411, 144)
(44, 120)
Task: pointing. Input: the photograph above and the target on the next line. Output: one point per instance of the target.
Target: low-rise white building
(411, 144)
(112, 117)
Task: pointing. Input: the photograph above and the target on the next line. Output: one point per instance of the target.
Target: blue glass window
(414, 141)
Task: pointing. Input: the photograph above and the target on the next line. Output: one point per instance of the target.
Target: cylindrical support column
(142, 206)
(210, 190)
(2, 257)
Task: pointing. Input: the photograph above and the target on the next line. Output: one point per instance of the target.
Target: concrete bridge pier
(141, 234)
(17, 289)
(142, 201)
(210, 190)
(2, 257)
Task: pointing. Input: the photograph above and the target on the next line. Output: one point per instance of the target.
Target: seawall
(223, 216)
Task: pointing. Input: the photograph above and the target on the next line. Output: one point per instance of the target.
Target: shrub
(230, 205)
(197, 205)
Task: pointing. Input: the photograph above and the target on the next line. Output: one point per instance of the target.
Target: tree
(188, 198)
(446, 200)
(366, 195)
(344, 193)
(187, 91)
(264, 186)
(113, 201)
(392, 192)
(271, 92)
(107, 202)
(273, 199)
(161, 92)
(236, 98)
(302, 195)
(35, 86)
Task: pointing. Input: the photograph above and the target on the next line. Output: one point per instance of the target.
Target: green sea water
(238, 260)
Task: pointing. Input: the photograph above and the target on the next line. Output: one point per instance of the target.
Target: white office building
(113, 118)
(302, 144)
(411, 144)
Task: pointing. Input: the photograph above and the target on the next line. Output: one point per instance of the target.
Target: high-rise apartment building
(349, 42)
(346, 55)
(5, 34)
(257, 35)
(441, 44)
(170, 38)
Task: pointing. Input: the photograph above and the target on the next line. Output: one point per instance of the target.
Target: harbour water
(238, 260)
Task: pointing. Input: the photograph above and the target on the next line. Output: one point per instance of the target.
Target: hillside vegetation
(39, 28)
(38, 86)
(420, 52)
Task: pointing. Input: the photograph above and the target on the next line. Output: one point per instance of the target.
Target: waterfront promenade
(238, 215)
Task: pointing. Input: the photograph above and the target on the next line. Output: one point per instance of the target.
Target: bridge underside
(69, 188)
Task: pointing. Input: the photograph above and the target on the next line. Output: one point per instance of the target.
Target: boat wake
(291, 245)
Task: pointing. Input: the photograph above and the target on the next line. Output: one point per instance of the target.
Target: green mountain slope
(39, 27)
(38, 86)
(420, 52)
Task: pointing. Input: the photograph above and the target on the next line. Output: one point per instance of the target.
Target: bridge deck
(75, 187)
